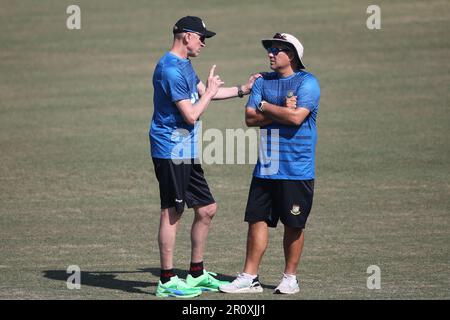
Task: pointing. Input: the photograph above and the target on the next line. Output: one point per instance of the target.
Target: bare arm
(222, 93)
(288, 116)
(191, 112)
(226, 93)
(254, 118)
(230, 92)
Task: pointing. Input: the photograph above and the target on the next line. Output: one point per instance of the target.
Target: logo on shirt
(296, 210)
(194, 97)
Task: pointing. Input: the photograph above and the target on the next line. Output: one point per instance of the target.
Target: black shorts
(287, 200)
(181, 184)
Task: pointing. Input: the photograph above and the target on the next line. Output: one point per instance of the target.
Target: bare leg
(200, 229)
(257, 240)
(293, 245)
(166, 236)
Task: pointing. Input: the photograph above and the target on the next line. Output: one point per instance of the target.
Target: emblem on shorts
(179, 200)
(295, 210)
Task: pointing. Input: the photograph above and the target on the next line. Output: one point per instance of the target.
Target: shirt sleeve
(256, 94)
(308, 94)
(176, 85)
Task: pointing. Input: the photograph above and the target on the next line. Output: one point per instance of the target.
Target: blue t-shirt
(291, 155)
(171, 137)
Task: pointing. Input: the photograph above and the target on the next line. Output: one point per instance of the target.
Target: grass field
(77, 184)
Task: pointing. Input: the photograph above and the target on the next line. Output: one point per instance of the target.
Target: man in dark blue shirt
(179, 100)
(284, 104)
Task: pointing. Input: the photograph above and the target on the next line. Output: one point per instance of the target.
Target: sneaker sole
(292, 292)
(244, 290)
(172, 295)
(208, 289)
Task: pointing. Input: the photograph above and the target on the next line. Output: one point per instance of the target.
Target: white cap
(289, 39)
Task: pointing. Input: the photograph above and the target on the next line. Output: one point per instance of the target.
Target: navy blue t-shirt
(291, 156)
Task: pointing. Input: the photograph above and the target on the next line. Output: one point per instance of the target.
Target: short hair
(178, 36)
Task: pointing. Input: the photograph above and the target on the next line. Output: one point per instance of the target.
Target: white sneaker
(242, 284)
(288, 285)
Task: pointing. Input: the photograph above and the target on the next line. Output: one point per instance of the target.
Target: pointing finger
(211, 72)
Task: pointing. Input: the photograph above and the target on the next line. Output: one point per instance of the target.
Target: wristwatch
(261, 106)
(240, 92)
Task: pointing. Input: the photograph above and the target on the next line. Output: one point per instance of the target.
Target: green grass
(77, 184)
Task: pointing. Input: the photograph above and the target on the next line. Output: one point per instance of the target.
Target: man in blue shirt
(284, 104)
(179, 100)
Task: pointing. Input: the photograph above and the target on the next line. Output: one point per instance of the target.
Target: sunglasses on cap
(279, 36)
(202, 36)
(276, 51)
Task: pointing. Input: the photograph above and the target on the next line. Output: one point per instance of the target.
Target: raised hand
(248, 86)
(214, 82)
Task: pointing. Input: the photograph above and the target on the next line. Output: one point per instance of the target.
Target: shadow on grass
(105, 279)
(110, 280)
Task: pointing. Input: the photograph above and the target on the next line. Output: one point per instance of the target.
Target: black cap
(192, 24)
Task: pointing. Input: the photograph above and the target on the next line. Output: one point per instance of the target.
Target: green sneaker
(177, 288)
(205, 282)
